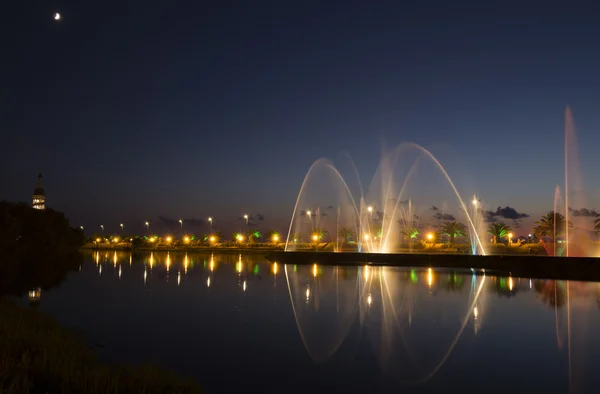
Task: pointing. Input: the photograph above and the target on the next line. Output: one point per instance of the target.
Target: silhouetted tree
(37, 247)
(547, 225)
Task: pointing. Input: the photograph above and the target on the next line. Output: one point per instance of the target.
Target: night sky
(134, 110)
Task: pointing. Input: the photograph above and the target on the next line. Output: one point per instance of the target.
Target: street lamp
(122, 227)
(210, 222)
(181, 223)
(246, 218)
(81, 227)
(102, 227)
(147, 225)
(370, 209)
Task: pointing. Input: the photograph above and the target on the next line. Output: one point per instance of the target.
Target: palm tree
(548, 226)
(410, 233)
(454, 230)
(345, 234)
(498, 230)
(253, 235)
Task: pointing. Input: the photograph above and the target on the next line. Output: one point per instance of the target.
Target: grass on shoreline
(37, 355)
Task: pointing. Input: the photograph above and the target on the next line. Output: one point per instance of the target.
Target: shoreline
(265, 249)
(525, 266)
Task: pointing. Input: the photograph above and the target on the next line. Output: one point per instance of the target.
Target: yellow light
(510, 235)
(97, 239)
(185, 263)
(116, 239)
(315, 270)
(510, 284)
(429, 277)
(308, 213)
(430, 236)
(370, 209)
(307, 293)
(151, 239)
(211, 265)
(244, 286)
(212, 239)
(474, 201)
(366, 237)
(274, 268)
(315, 237)
(186, 239)
(240, 237)
(275, 238)
(169, 239)
(475, 312)
(168, 262)
(369, 300)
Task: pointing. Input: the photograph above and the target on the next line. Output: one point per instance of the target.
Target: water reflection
(410, 321)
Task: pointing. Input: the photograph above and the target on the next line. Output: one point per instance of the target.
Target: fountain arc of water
(462, 203)
(328, 164)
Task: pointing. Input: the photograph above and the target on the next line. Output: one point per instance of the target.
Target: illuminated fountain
(332, 212)
(576, 235)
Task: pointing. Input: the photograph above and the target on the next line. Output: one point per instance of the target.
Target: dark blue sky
(191, 108)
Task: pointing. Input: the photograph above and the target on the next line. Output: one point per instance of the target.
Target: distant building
(39, 198)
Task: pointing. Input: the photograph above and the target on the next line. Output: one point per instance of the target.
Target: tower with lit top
(39, 198)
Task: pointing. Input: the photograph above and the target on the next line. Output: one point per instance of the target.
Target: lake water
(238, 323)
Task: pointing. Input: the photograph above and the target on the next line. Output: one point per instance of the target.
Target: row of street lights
(147, 224)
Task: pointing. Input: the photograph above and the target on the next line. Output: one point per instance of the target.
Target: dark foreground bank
(39, 356)
(542, 267)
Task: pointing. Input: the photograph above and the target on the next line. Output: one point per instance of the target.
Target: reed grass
(38, 355)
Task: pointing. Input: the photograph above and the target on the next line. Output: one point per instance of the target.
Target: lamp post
(102, 227)
(181, 223)
(122, 227)
(246, 218)
(210, 223)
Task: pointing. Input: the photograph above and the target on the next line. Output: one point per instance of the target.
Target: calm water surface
(238, 323)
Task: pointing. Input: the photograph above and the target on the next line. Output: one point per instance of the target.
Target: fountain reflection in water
(386, 302)
(330, 213)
